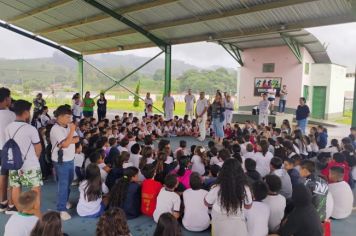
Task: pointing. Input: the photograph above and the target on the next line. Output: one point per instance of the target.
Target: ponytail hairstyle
(125, 156)
(264, 146)
(118, 192)
(184, 164)
(92, 190)
(200, 151)
(147, 152)
(335, 143)
(161, 158)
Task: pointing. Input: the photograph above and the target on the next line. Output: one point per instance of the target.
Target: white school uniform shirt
(189, 102)
(20, 225)
(257, 219)
(122, 149)
(201, 105)
(229, 105)
(85, 207)
(103, 173)
(263, 106)
(277, 205)
(169, 160)
(250, 155)
(77, 109)
(78, 162)
(58, 135)
(27, 136)
(263, 162)
(168, 103)
(198, 165)
(212, 198)
(167, 201)
(214, 161)
(343, 199)
(196, 217)
(329, 205)
(148, 101)
(6, 117)
(135, 159)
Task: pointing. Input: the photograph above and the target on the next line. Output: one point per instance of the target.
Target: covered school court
(84, 27)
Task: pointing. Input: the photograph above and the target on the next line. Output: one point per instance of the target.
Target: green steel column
(167, 69)
(354, 104)
(81, 76)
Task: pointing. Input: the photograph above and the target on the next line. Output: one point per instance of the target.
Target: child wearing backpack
(20, 154)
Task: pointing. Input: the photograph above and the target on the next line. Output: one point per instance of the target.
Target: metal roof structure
(81, 26)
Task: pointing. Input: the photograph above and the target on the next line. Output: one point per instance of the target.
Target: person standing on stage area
(101, 103)
(302, 114)
(148, 101)
(229, 108)
(169, 106)
(201, 113)
(88, 105)
(283, 99)
(271, 98)
(263, 107)
(217, 114)
(189, 100)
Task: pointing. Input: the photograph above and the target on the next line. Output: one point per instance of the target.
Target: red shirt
(333, 163)
(150, 191)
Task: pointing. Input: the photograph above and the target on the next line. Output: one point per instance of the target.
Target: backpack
(11, 156)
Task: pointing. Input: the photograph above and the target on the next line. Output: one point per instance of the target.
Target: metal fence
(348, 104)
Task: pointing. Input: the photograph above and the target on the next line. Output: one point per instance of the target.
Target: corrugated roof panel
(114, 4)
(183, 31)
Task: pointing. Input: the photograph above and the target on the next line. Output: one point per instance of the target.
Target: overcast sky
(341, 41)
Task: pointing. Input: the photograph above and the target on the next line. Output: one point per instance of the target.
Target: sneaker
(11, 210)
(3, 207)
(65, 215)
(69, 205)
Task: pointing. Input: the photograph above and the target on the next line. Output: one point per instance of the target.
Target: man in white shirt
(201, 114)
(263, 107)
(169, 106)
(63, 138)
(341, 194)
(27, 138)
(6, 117)
(148, 101)
(189, 104)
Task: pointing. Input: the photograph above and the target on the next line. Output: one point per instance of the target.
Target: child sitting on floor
(168, 200)
(149, 190)
(113, 222)
(91, 191)
(25, 217)
(49, 224)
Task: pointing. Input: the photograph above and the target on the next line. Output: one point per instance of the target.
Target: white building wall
(321, 75)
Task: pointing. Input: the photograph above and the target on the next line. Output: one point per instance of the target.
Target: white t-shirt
(257, 219)
(77, 109)
(201, 105)
(264, 106)
(86, 208)
(198, 165)
(343, 199)
(167, 201)
(250, 155)
(78, 162)
(212, 198)
(189, 102)
(6, 117)
(277, 205)
(103, 173)
(27, 136)
(135, 159)
(58, 135)
(148, 101)
(44, 120)
(20, 225)
(196, 217)
(214, 160)
(329, 205)
(168, 103)
(263, 162)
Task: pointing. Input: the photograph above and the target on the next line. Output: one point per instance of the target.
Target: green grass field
(346, 120)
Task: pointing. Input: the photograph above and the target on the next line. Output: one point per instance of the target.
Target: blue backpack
(11, 156)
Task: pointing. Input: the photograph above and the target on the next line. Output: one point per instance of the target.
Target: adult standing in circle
(148, 101)
(217, 114)
(169, 106)
(302, 114)
(283, 99)
(229, 108)
(201, 113)
(227, 198)
(189, 100)
(101, 103)
(88, 105)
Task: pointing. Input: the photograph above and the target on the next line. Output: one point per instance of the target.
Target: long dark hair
(92, 190)
(183, 165)
(146, 153)
(264, 146)
(49, 224)
(167, 226)
(112, 223)
(232, 182)
(119, 190)
(161, 158)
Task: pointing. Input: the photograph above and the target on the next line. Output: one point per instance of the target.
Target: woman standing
(229, 108)
(101, 103)
(227, 198)
(217, 113)
(88, 104)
